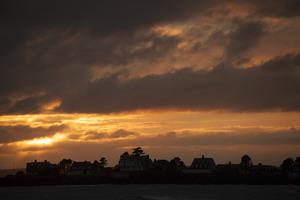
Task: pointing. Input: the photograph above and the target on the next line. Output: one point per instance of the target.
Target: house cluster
(41, 168)
(46, 168)
(138, 162)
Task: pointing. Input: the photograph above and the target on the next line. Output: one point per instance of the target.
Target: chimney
(202, 156)
(45, 161)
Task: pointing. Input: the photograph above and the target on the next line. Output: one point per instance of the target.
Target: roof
(203, 163)
(41, 164)
(203, 160)
(81, 164)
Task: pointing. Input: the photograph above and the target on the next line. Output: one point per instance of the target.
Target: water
(153, 192)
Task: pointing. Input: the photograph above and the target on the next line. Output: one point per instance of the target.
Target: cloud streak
(194, 138)
(121, 133)
(10, 134)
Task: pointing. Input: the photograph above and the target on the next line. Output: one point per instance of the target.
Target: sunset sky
(91, 79)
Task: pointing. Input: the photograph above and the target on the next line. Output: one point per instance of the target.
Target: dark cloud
(22, 21)
(287, 63)
(260, 88)
(121, 133)
(10, 134)
(269, 8)
(48, 48)
(30, 105)
(244, 37)
(223, 88)
(92, 135)
(280, 8)
(289, 137)
(48, 51)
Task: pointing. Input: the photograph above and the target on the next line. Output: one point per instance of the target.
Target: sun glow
(45, 141)
(39, 141)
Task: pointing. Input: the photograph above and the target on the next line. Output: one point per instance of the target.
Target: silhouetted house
(41, 168)
(202, 165)
(228, 169)
(132, 163)
(160, 165)
(80, 168)
(266, 170)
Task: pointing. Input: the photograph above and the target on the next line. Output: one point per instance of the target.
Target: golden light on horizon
(154, 121)
(98, 131)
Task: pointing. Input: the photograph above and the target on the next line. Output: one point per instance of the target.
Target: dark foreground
(153, 192)
(145, 178)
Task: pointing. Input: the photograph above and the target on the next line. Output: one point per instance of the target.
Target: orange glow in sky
(144, 128)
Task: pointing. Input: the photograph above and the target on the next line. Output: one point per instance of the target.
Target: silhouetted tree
(137, 151)
(95, 165)
(246, 164)
(246, 160)
(176, 164)
(125, 154)
(65, 165)
(287, 165)
(103, 162)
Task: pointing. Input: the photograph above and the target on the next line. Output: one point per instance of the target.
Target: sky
(91, 79)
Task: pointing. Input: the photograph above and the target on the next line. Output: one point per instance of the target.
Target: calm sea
(153, 192)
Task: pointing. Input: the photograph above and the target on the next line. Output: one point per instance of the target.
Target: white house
(132, 163)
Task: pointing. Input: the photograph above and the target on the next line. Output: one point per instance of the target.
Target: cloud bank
(114, 56)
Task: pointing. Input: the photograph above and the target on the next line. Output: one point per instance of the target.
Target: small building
(41, 168)
(80, 168)
(133, 163)
(202, 165)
